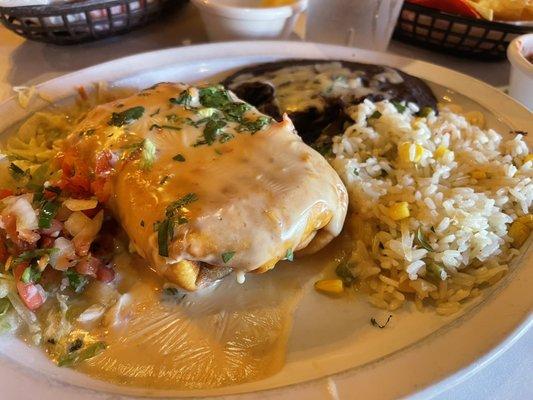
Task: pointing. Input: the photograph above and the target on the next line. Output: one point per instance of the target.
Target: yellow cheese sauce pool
(227, 335)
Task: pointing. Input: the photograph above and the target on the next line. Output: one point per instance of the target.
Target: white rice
(462, 202)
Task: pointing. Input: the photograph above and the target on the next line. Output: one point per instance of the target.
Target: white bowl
(246, 19)
(521, 84)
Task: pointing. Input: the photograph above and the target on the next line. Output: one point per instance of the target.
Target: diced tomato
(105, 274)
(89, 266)
(459, 7)
(5, 193)
(76, 177)
(101, 188)
(19, 269)
(103, 165)
(31, 294)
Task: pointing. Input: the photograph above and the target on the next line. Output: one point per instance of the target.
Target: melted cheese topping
(301, 87)
(257, 195)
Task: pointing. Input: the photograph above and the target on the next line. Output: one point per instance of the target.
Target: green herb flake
(183, 99)
(48, 211)
(78, 356)
(399, 106)
(214, 96)
(173, 213)
(32, 254)
(31, 275)
(424, 113)
(212, 129)
(164, 179)
(16, 172)
(375, 115)
(289, 256)
(76, 281)
(235, 111)
(147, 154)
(165, 233)
(255, 125)
(437, 271)
(344, 273)
(5, 305)
(179, 158)
(126, 117)
(226, 256)
(422, 240)
(171, 128)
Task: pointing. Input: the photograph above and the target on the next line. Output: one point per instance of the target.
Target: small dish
(520, 55)
(248, 19)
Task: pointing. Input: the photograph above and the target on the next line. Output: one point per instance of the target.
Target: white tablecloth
(24, 62)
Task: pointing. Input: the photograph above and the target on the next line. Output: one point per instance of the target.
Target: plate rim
(283, 50)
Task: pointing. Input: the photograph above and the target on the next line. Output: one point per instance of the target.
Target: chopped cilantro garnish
(343, 271)
(165, 232)
(78, 356)
(212, 129)
(16, 172)
(425, 112)
(235, 111)
(214, 96)
(147, 154)
(87, 132)
(48, 212)
(76, 281)
(31, 254)
(422, 240)
(170, 127)
(127, 116)
(375, 115)
(174, 215)
(255, 125)
(289, 256)
(31, 275)
(179, 157)
(436, 270)
(183, 99)
(399, 106)
(164, 179)
(228, 255)
(5, 305)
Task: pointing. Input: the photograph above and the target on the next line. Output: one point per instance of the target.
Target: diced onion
(62, 259)
(76, 222)
(85, 237)
(80, 205)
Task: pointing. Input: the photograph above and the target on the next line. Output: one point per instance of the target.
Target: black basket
(461, 36)
(83, 20)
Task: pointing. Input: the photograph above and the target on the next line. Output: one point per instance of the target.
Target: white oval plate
(333, 350)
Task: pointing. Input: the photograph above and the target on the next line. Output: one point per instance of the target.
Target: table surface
(24, 62)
